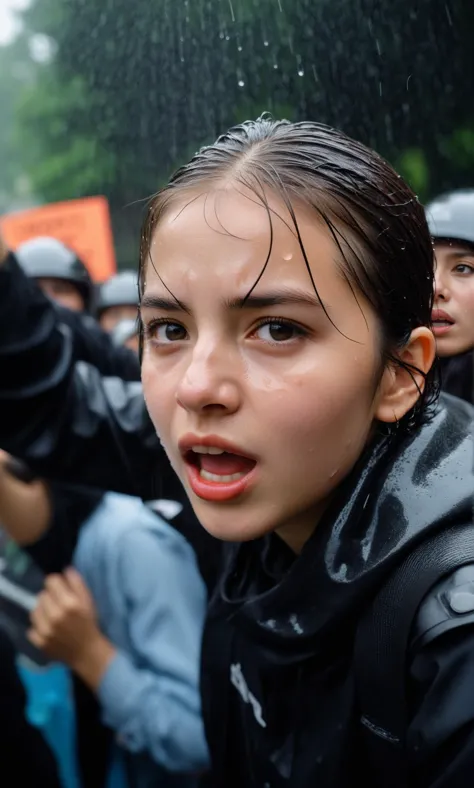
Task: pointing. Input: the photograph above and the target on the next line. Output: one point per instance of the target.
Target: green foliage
(413, 165)
(135, 88)
(63, 156)
(459, 147)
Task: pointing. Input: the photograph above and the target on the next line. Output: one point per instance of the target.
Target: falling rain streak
(151, 82)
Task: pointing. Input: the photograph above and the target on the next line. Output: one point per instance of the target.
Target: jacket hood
(401, 490)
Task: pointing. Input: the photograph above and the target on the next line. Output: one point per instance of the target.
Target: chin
(451, 349)
(230, 523)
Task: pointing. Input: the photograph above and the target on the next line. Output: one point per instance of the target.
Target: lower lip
(439, 331)
(218, 491)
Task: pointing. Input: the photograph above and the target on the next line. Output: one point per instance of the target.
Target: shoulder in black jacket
(457, 376)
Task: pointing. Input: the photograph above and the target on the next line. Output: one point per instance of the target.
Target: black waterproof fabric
(457, 376)
(278, 647)
(278, 676)
(25, 757)
(95, 346)
(89, 342)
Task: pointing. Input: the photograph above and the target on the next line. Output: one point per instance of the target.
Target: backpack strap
(381, 646)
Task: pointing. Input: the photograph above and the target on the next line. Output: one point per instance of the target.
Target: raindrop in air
(241, 83)
(301, 72)
(265, 43)
(239, 48)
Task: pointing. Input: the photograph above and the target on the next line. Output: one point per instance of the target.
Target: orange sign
(83, 225)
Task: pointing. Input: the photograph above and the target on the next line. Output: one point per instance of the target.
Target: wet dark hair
(372, 215)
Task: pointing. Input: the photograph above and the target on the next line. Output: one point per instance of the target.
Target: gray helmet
(452, 216)
(119, 290)
(46, 257)
(124, 331)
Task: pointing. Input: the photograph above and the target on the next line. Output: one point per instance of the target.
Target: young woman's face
(290, 393)
(453, 315)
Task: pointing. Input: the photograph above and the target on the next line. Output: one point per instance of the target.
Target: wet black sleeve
(71, 507)
(26, 759)
(441, 732)
(93, 345)
(63, 418)
(22, 299)
(457, 376)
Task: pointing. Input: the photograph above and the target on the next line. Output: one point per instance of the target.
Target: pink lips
(441, 322)
(234, 460)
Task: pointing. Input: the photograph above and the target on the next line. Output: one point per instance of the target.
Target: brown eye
(464, 269)
(279, 331)
(165, 332)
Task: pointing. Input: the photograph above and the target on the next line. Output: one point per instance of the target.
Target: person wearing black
(451, 222)
(25, 757)
(59, 274)
(286, 297)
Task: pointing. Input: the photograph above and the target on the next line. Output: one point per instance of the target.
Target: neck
(295, 533)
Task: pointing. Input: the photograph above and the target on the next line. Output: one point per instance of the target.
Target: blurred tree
(131, 89)
(15, 73)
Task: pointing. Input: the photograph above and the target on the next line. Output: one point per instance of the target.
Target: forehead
(227, 235)
(448, 251)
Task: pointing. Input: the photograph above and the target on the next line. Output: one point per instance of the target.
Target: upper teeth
(207, 450)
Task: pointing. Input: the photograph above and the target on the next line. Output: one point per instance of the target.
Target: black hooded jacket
(278, 661)
(457, 376)
(278, 689)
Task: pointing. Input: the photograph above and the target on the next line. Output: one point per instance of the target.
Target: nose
(441, 285)
(210, 382)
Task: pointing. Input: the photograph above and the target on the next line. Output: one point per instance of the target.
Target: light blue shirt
(151, 605)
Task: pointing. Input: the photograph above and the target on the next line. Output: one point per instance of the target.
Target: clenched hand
(64, 626)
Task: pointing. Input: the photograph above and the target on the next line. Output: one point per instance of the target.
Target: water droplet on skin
(241, 83)
(288, 256)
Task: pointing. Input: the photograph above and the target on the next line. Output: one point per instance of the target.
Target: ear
(399, 389)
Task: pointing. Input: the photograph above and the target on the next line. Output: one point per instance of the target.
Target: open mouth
(216, 465)
(441, 321)
(216, 474)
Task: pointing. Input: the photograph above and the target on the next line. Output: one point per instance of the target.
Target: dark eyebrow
(458, 250)
(275, 298)
(165, 304)
(466, 252)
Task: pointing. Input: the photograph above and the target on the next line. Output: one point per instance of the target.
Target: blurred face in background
(115, 314)
(62, 292)
(453, 314)
(133, 344)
